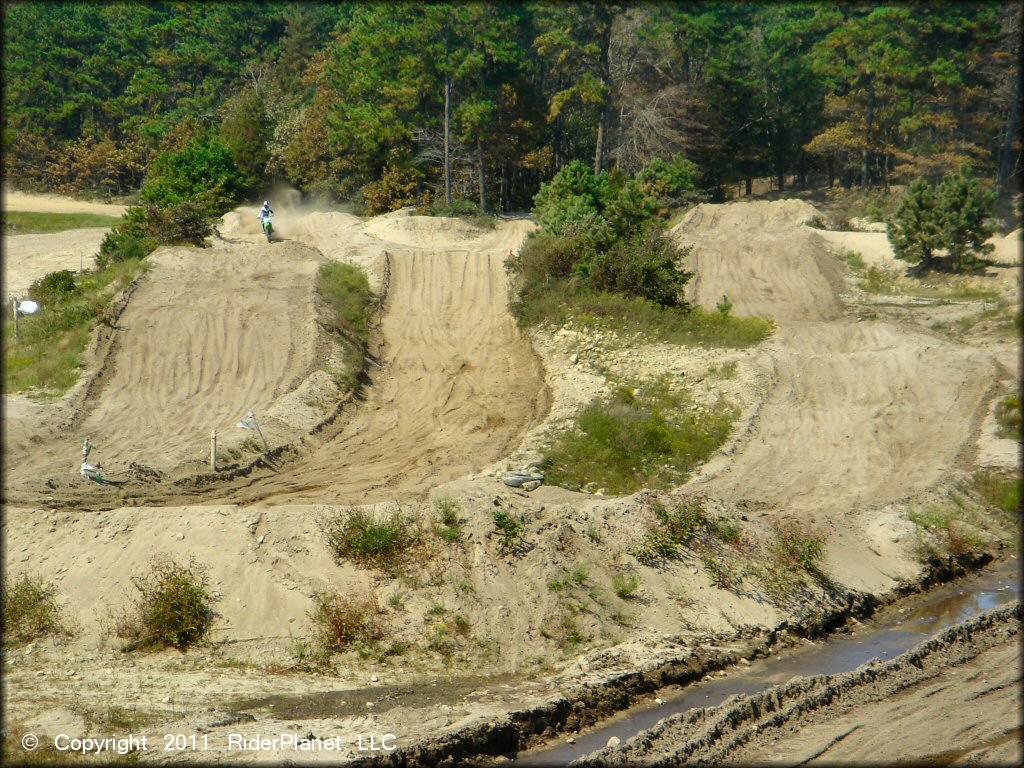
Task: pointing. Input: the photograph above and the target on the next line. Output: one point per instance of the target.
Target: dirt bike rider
(265, 212)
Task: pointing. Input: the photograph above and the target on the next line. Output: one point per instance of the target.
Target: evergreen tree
(965, 211)
(914, 229)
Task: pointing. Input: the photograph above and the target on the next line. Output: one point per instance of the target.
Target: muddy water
(892, 631)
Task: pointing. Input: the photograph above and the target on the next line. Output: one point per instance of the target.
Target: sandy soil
(28, 201)
(213, 333)
(29, 257)
(883, 411)
(967, 679)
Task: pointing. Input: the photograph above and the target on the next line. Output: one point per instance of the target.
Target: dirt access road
(211, 334)
(29, 257)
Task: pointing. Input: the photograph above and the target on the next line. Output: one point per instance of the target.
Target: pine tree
(914, 228)
(964, 225)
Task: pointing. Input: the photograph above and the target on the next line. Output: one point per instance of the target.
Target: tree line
(394, 103)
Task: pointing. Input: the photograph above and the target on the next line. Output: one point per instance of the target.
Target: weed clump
(509, 530)
(794, 551)
(797, 547)
(687, 525)
(340, 622)
(31, 611)
(942, 535)
(1009, 418)
(345, 290)
(626, 584)
(1000, 492)
(383, 544)
(449, 526)
(597, 310)
(47, 355)
(466, 210)
(174, 606)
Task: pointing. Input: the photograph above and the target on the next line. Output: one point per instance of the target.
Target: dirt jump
(859, 413)
(211, 334)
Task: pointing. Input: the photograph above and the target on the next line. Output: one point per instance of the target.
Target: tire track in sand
(860, 413)
(456, 388)
(211, 334)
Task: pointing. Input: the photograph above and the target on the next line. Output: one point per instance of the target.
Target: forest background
(391, 104)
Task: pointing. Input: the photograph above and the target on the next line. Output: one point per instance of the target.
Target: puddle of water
(889, 634)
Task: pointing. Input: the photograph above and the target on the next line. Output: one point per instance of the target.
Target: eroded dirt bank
(951, 699)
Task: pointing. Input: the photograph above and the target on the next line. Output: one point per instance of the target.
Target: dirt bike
(268, 225)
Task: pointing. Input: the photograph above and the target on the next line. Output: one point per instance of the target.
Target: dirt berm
(944, 701)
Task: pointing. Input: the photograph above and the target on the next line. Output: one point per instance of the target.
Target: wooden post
(14, 306)
(213, 451)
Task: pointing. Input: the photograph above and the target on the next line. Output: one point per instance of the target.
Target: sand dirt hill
(843, 423)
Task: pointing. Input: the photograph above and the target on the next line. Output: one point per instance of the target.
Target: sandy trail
(29, 257)
(213, 333)
(860, 413)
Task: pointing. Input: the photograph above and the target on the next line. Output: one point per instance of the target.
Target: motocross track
(855, 417)
(859, 413)
(211, 334)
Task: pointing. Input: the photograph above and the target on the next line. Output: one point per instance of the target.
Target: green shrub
(54, 287)
(203, 173)
(118, 246)
(509, 530)
(672, 183)
(174, 606)
(544, 257)
(340, 622)
(572, 197)
(645, 266)
(955, 217)
(383, 544)
(184, 222)
(31, 611)
(629, 441)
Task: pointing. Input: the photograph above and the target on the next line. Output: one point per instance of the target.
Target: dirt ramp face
(208, 335)
(456, 388)
(860, 414)
(763, 258)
